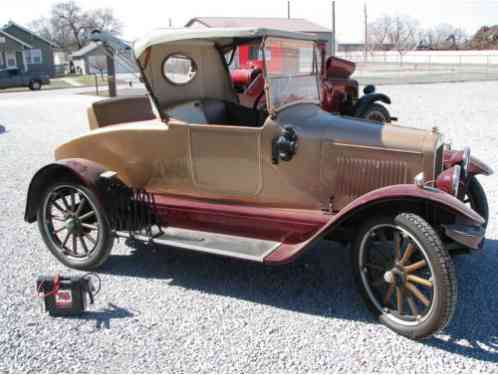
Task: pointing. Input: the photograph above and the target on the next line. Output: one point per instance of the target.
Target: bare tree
(403, 34)
(378, 33)
(69, 17)
(400, 33)
(104, 20)
(68, 24)
(442, 37)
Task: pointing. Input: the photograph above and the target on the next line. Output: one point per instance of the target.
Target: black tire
(477, 199)
(423, 320)
(377, 113)
(91, 214)
(35, 85)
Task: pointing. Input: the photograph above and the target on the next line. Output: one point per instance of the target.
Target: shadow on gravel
(473, 331)
(321, 283)
(104, 316)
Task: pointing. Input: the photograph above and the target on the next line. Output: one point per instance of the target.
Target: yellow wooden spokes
(408, 253)
(415, 266)
(417, 293)
(419, 280)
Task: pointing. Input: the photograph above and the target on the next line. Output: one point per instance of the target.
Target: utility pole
(288, 9)
(365, 47)
(333, 42)
(170, 22)
(111, 72)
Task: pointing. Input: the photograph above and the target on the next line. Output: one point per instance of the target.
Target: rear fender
(391, 195)
(82, 171)
(366, 100)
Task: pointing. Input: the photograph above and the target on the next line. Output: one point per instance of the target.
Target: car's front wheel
(405, 274)
(74, 226)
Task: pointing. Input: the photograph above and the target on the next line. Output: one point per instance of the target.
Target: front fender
(389, 195)
(411, 191)
(83, 171)
(363, 103)
(453, 157)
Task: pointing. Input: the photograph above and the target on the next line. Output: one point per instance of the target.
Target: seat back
(120, 110)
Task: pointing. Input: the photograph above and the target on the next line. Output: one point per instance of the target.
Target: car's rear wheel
(35, 85)
(476, 198)
(405, 275)
(74, 226)
(377, 112)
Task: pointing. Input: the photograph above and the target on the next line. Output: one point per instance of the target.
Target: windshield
(291, 71)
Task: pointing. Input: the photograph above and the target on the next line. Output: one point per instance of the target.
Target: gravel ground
(171, 311)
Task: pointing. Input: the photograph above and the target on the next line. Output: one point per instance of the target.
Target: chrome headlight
(420, 180)
(449, 180)
(466, 160)
(455, 180)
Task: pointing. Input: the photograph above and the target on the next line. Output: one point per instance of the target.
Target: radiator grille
(438, 168)
(359, 176)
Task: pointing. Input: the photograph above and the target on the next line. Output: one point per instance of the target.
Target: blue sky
(141, 16)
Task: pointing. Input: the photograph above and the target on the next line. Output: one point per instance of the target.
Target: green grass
(89, 80)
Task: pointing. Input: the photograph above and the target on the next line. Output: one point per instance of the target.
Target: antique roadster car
(188, 166)
(339, 93)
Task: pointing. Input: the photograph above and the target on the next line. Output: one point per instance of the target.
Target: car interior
(190, 86)
(200, 112)
(216, 112)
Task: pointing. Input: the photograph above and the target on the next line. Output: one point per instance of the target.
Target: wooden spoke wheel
(74, 226)
(405, 274)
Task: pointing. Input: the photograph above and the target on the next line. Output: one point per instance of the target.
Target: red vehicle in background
(339, 93)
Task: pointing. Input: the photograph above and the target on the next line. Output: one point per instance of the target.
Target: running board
(212, 243)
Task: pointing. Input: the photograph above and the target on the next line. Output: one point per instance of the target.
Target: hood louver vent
(359, 176)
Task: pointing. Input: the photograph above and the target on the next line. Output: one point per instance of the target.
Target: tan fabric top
(221, 36)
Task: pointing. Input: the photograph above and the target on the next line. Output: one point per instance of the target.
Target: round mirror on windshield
(179, 69)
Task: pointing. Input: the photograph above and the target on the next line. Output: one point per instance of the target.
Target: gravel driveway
(172, 311)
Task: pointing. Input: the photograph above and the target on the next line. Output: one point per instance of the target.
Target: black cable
(97, 277)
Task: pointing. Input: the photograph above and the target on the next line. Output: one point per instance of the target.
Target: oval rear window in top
(179, 69)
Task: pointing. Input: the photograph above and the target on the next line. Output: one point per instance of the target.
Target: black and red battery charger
(67, 295)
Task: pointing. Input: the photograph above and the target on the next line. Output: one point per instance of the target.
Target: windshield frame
(272, 108)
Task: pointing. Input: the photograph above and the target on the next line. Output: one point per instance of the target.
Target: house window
(10, 59)
(34, 56)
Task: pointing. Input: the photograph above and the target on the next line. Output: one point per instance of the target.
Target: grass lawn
(89, 80)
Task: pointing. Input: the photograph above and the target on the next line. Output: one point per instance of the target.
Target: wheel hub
(72, 224)
(395, 276)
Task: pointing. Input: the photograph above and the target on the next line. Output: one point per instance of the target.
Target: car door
(226, 160)
(16, 78)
